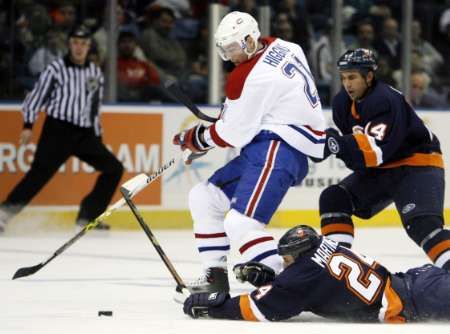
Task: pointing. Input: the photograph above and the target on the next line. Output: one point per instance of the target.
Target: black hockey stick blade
(175, 91)
(27, 271)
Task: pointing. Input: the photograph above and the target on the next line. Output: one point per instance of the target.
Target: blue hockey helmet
(298, 240)
(359, 59)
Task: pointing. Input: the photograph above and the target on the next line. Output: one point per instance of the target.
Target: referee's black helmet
(80, 31)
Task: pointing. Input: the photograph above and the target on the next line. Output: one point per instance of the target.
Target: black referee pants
(60, 140)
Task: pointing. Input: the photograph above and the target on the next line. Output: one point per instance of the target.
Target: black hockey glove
(332, 142)
(255, 273)
(198, 305)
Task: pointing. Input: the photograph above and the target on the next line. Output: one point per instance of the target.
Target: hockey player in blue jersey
(332, 281)
(395, 158)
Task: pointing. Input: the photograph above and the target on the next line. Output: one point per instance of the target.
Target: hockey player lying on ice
(331, 281)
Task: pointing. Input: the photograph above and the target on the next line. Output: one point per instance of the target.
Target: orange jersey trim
(246, 310)
(394, 307)
(418, 159)
(338, 228)
(438, 249)
(354, 112)
(370, 157)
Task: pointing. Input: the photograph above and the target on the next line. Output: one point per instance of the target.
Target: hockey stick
(173, 88)
(181, 287)
(134, 185)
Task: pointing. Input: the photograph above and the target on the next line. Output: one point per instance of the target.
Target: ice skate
(215, 279)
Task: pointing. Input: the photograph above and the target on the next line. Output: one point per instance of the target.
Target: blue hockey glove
(198, 305)
(255, 273)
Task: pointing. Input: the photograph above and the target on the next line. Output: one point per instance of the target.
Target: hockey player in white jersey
(272, 111)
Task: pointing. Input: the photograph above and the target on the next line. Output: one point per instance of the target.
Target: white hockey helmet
(233, 30)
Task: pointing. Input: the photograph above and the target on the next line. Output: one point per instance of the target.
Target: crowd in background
(168, 39)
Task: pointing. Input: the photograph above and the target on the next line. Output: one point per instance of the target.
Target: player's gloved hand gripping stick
(133, 186)
(190, 140)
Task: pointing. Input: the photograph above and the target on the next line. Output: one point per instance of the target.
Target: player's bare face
(79, 48)
(354, 83)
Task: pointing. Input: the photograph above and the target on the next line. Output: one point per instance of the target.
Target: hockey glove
(198, 305)
(255, 273)
(332, 142)
(191, 141)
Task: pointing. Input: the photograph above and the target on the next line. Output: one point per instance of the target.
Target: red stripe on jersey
(262, 182)
(237, 77)
(254, 242)
(209, 235)
(316, 132)
(216, 138)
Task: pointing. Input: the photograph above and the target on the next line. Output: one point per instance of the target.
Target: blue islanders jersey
(382, 130)
(331, 281)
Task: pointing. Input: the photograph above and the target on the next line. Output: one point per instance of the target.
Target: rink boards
(141, 137)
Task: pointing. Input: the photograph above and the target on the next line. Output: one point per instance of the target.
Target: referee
(70, 89)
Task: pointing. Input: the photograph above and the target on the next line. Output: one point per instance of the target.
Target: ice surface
(121, 272)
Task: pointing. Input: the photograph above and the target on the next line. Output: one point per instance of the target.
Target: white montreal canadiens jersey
(273, 91)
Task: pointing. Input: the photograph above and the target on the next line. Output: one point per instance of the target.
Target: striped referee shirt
(69, 92)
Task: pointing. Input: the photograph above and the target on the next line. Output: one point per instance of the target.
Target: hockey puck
(105, 313)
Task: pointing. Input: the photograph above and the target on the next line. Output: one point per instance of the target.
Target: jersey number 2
(364, 284)
(296, 66)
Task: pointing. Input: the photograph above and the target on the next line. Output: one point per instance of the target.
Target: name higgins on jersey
(276, 55)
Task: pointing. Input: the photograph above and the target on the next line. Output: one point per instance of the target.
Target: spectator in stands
(283, 28)
(125, 22)
(180, 8)
(389, 45)
(32, 26)
(197, 80)
(321, 60)
(385, 72)
(158, 45)
(138, 80)
(64, 17)
(365, 36)
(47, 53)
(302, 28)
(444, 70)
(444, 20)
(422, 95)
(431, 58)
(246, 6)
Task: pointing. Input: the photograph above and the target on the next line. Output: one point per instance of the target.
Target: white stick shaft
(135, 185)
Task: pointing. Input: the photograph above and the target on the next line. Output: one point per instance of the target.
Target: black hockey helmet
(298, 240)
(359, 59)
